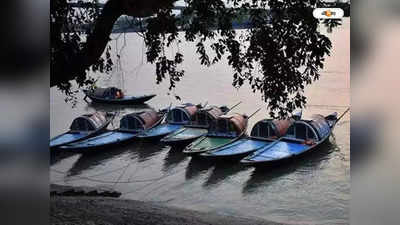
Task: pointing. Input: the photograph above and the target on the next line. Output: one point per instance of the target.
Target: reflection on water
(198, 166)
(313, 189)
(89, 161)
(155, 172)
(57, 156)
(143, 151)
(174, 158)
(221, 172)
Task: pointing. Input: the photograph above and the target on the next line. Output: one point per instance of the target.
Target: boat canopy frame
(234, 125)
(136, 119)
(320, 125)
(205, 118)
(181, 114)
(88, 122)
(270, 129)
(293, 137)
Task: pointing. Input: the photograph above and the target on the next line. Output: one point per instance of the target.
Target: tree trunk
(72, 64)
(77, 62)
(98, 39)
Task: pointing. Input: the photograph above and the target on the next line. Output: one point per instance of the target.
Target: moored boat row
(198, 127)
(208, 132)
(263, 134)
(226, 129)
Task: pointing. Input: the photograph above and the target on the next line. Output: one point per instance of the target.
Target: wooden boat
(176, 118)
(130, 126)
(114, 95)
(264, 133)
(228, 129)
(302, 136)
(83, 127)
(198, 127)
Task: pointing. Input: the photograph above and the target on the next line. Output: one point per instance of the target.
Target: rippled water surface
(314, 189)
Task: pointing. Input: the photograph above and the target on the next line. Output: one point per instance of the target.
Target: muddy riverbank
(103, 210)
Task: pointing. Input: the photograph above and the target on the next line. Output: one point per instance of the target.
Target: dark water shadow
(88, 161)
(58, 156)
(261, 177)
(143, 151)
(173, 158)
(222, 171)
(197, 166)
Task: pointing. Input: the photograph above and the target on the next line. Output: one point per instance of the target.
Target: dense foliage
(69, 26)
(281, 52)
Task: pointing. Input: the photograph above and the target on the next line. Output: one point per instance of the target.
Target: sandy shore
(106, 211)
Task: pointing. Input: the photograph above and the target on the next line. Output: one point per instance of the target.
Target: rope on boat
(118, 182)
(133, 173)
(123, 173)
(95, 175)
(153, 181)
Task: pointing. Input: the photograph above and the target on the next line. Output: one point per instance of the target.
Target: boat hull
(110, 138)
(184, 136)
(287, 148)
(280, 153)
(237, 149)
(72, 137)
(128, 100)
(66, 138)
(159, 131)
(207, 144)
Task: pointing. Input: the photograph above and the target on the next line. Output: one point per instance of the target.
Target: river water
(313, 190)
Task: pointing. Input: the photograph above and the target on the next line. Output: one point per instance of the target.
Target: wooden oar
(233, 107)
(340, 117)
(254, 113)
